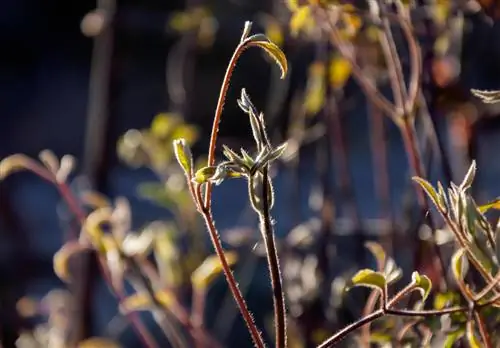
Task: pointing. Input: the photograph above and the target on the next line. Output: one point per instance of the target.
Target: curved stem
(273, 262)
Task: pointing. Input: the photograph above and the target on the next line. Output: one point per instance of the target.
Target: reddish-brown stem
(483, 330)
(233, 285)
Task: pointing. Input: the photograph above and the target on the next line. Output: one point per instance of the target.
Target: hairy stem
(273, 262)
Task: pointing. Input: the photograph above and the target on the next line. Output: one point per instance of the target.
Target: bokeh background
(63, 89)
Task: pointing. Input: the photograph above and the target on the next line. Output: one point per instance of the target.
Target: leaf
(203, 175)
(423, 283)
(97, 342)
(368, 278)
(274, 32)
(13, 163)
(469, 177)
(444, 299)
(488, 97)
(472, 340)
(315, 94)
(431, 192)
(339, 71)
(453, 337)
(494, 204)
(378, 252)
(187, 132)
(62, 258)
(142, 301)
(163, 124)
(210, 268)
(184, 156)
(274, 52)
(299, 20)
(156, 192)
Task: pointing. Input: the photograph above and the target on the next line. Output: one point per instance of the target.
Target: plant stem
(483, 330)
(273, 262)
(233, 285)
(340, 335)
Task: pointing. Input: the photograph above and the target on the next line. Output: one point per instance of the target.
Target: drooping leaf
(184, 156)
(274, 52)
(423, 283)
(62, 258)
(13, 163)
(210, 268)
(459, 267)
(368, 278)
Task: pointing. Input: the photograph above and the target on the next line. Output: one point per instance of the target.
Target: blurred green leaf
(472, 340)
(423, 283)
(378, 252)
(494, 204)
(444, 299)
(184, 155)
(157, 193)
(453, 337)
(368, 278)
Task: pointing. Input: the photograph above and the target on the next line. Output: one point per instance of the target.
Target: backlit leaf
(378, 252)
(274, 52)
(488, 97)
(469, 177)
(472, 340)
(495, 204)
(62, 257)
(368, 278)
(184, 156)
(431, 192)
(210, 268)
(453, 337)
(13, 163)
(142, 301)
(299, 20)
(339, 71)
(423, 283)
(98, 342)
(203, 175)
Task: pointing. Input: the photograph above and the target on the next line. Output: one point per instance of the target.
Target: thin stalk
(273, 262)
(483, 330)
(233, 285)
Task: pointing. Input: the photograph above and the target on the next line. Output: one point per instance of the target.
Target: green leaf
(184, 156)
(444, 299)
(423, 283)
(458, 266)
(431, 192)
(494, 204)
(453, 337)
(157, 193)
(369, 278)
(300, 19)
(472, 340)
(204, 174)
(378, 253)
(274, 52)
(469, 177)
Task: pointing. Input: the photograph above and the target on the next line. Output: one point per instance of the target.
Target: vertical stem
(273, 262)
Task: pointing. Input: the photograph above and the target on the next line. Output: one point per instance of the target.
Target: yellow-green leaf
(274, 52)
(453, 337)
(316, 89)
(204, 174)
(163, 124)
(300, 19)
(340, 70)
(274, 32)
(429, 189)
(369, 278)
(13, 164)
(98, 342)
(472, 340)
(210, 268)
(62, 257)
(423, 283)
(378, 252)
(142, 301)
(184, 156)
(495, 204)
